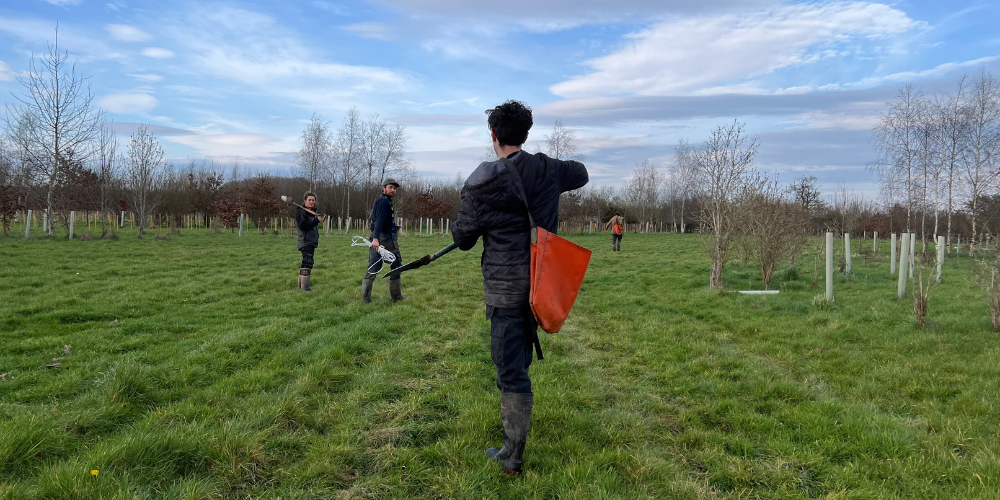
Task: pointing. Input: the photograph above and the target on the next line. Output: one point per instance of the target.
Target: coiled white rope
(384, 254)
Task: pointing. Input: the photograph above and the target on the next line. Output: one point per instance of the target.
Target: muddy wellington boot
(304, 275)
(366, 289)
(395, 291)
(515, 410)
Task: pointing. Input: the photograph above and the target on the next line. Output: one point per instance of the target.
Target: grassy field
(197, 370)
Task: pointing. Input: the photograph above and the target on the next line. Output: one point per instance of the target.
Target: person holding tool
(493, 209)
(617, 226)
(385, 233)
(307, 222)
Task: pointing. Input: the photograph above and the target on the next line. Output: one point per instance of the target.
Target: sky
(237, 81)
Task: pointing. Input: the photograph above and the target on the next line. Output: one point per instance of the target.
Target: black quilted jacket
(492, 211)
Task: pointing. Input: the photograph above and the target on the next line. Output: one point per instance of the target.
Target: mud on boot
(515, 410)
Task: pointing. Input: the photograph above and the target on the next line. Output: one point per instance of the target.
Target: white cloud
(698, 53)
(62, 3)
(127, 103)
(157, 53)
(333, 8)
(127, 33)
(935, 72)
(253, 49)
(6, 72)
(370, 30)
(248, 145)
(146, 77)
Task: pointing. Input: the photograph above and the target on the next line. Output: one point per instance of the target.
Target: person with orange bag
(617, 226)
(493, 210)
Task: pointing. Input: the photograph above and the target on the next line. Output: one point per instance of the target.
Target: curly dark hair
(510, 122)
(308, 194)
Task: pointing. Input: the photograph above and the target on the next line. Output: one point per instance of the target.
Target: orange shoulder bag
(557, 268)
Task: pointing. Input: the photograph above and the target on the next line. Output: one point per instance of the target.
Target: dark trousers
(616, 242)
(375, 260)
(307, 257)
(513, 335)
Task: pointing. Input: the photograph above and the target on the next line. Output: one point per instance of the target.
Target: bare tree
(775, 227)
(895, 145)
(983, 139)
(107, 162)
(561, 143)
(348, 149)
(316, 151)
(684, 176)
(143, 173)
(57, 115)
(724, 165)
(382, 149)
(641, 193)
(952, 130)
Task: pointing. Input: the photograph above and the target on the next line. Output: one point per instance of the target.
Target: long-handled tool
(421, 262)
(288, 199)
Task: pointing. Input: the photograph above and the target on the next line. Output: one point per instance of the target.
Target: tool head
(421, 262)
(285, 199)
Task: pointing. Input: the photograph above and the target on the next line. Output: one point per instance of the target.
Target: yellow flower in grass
(95, 472)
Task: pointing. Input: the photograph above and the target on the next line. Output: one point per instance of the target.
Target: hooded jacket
(491, 210)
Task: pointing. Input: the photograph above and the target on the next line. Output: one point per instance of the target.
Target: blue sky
(237, 80)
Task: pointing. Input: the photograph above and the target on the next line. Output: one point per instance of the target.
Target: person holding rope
(385, 233)
(492, 210)
(617, 226)
(307, 225)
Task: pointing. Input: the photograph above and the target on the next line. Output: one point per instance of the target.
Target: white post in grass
(447, 230)
(45, 222)
(72, 218)
(829, 266)
(122, 223)
(875, 241)
(903, 261)
(241, 224)
(847, 254)
(940, 249)
(27, 225)
(913, 244)
(892, 256)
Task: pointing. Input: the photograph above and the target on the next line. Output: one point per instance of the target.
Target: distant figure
(493, 211)
(385, 233)
(617, 226)
(307, 225)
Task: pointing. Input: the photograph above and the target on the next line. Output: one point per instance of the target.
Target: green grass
(199, 371)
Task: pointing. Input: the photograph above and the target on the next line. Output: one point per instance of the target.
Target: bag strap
(519, 190)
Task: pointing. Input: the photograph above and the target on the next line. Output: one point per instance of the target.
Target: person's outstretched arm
(466, 230)
(573, 175)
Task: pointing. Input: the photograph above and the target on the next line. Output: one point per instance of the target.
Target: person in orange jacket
(617, 226)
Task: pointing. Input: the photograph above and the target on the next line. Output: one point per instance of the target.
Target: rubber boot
(304, 275)
(395, 291)
(366, 289)
(515, 410)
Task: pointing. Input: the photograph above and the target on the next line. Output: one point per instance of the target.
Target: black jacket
(492, 210)
(308, 232)
(383, 219)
